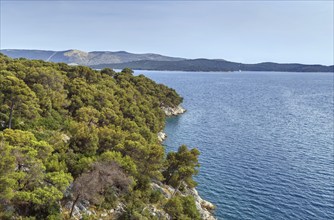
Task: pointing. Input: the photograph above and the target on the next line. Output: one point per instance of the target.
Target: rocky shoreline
(173, 111)
(169, 112)
(162, 136)
(204, 207)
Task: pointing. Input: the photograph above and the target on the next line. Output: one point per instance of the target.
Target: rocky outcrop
(113, 213)
(65, 138)
(166, 190)
(204, 207)
(170, 111)
(80, 209)
(83, 208)
(159, 213)
(173, 111)
(162, 136)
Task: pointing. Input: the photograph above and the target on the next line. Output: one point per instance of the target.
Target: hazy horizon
(159, 54)
(246, 32)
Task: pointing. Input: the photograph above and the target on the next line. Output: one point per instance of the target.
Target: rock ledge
(204, 207)
(162, 136)
(173, 111)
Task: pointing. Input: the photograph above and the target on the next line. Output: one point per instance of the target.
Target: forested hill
(150, 61)
(85, 58)
(215, 65)
(73, 134)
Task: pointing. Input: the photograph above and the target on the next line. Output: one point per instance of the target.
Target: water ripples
(266, 141)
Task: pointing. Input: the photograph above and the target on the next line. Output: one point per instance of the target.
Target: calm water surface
(266, 141)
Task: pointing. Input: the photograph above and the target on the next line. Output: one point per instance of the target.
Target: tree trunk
(11, 115)
(177, 188)
(74, 202)
(169, 177)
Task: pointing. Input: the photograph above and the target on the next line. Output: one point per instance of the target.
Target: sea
(266, 140)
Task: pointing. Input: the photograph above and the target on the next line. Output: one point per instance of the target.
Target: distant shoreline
(158, 62)
(245, 71)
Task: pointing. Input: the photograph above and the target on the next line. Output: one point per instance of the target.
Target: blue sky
(242, 31)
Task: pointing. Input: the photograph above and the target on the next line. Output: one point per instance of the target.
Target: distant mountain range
(150, 61)
(85, 58)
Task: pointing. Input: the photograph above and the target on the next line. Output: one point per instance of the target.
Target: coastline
(173, 111)
(204, 207)
(169, 112)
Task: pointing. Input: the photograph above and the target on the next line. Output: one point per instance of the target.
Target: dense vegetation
(73, 133)
(216, 65)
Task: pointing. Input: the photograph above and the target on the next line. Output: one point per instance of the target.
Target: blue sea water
(266, 141)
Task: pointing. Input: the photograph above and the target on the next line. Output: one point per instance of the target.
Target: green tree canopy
(67, 122)
(17, 100)
(24, 178)
(181, 166)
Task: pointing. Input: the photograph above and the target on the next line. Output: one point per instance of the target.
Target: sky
(240, 31)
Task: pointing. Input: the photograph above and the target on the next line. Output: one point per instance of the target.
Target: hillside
(215, 65)
(149, 61)
(85, 58)
(76, 141)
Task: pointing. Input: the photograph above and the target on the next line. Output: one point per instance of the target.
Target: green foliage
(182, 207)
(65, 121)
(18, 101)
(127, 70)
(181, 166)
(174, 207)
(84, 138)
(108, 72)
(156, 196)
(137, 206)
(124, 162)
(189, 207)
(24, 178)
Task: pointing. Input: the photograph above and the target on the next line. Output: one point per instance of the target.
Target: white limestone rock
(204, 207)
(80, 208)
(159, 213)
(162, 136)
(65, 138)
(173, 111)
